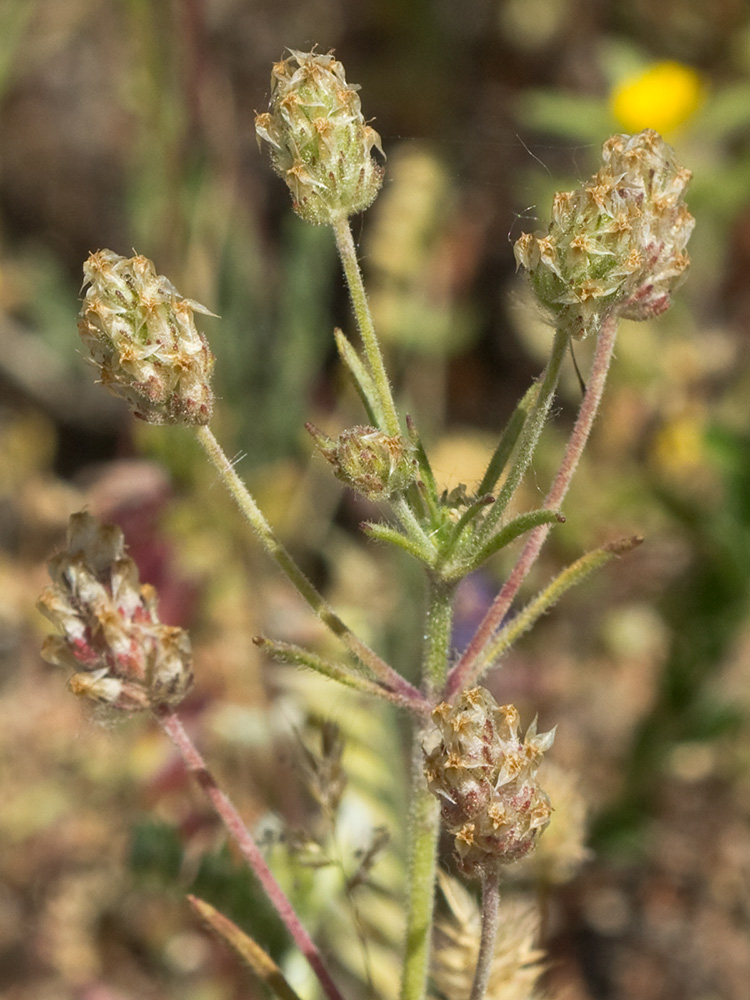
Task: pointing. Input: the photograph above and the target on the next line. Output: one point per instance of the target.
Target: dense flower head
(319, 141)
(563, 850)
(616, 243)
(141, 334)
(484, 775)
(369, 461)
(111, 636)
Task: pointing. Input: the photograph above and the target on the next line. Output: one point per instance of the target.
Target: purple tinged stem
(195, 764)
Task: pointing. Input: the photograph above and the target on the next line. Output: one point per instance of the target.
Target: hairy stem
(246, 502)
(462, 674)
(347, 252)
(490, 912)
(242, 837)
(424, 826)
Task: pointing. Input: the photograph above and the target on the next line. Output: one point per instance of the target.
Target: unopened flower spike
(141, 334)
(484, 776)
(618, 242)
(373, 463)
(319, 141)
(111, 636)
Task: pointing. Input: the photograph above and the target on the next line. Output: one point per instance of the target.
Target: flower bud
(484, 775)
(618, 242)
(141, 334)
(368, 460)
(111, 636)
(319, 142)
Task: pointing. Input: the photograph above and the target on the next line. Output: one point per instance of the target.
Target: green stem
(424, 827)
(437, 636)
(348, 254)
(429, 486)
(424, 830)
(253, 514)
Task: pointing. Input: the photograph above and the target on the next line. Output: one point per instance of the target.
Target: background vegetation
(129, 124)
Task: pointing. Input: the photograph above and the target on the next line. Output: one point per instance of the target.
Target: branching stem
(252, 513)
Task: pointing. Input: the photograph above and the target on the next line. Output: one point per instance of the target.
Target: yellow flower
(679, 448)
(662, 97)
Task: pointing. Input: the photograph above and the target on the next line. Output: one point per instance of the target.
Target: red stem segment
(231, 819)
(463, 673)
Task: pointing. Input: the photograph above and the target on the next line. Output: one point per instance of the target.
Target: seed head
(141, 334)
(318, 139)
(111, 636)
(616, 243)
(369, 461)
(484, 776)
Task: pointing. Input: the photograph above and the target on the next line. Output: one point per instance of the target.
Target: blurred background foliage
(129, 124)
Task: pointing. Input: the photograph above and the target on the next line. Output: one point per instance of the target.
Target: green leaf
(363, 381)
(511, 531)
(155, 852)
(567, 115)
(508, 439)
(474, 508)
(551, 594)
(384, 533)
(287, 652)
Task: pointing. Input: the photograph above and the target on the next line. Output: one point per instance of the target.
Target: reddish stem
(237, 830)
(465, 672)
(490, 924)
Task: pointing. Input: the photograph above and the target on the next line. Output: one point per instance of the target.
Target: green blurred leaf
(155, 852)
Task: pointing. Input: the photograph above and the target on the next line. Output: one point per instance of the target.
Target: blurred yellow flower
(662, 97)
(679, 448)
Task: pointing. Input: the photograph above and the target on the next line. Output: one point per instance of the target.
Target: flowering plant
(615, 248)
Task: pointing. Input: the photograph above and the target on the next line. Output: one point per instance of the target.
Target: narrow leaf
(425, 469)
(384, 533)
(287, 652)
(551, 594)
(508, 440)
(474, 508)
(261, 963)
(511, 531)
(362, 379)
